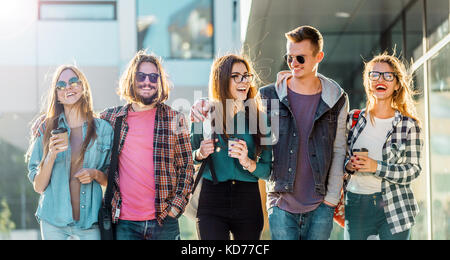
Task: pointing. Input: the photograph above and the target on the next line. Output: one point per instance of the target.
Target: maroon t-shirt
(304, 198)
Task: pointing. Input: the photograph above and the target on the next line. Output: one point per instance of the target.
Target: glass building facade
(425, 34)
(176, 29)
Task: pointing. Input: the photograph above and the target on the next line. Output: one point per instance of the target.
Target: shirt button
(290, 169)
(291, 151)
(294, 134)
(286, 187)
(82, 207)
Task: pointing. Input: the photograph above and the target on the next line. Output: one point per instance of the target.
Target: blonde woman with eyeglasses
(67, 159)
(383, 155)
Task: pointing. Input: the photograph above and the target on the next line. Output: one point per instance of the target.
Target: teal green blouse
(228, 168)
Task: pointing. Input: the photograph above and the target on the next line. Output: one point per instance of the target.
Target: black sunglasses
(289, 58)
(73, 82)
(153, 77)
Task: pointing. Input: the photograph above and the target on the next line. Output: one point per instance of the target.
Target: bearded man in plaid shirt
(155, 169)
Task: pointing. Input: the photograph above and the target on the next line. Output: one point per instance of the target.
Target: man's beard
(147, 100)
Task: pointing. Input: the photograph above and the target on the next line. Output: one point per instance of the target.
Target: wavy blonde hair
(402, 99)
(127, 84)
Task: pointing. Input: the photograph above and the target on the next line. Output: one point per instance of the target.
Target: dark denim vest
(320, 143)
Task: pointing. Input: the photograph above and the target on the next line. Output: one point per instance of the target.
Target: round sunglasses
(73, 82)
(141, 76)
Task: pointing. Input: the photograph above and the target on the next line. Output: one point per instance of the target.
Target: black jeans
(229, 207)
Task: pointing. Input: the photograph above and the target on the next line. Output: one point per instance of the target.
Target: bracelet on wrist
(245, 167)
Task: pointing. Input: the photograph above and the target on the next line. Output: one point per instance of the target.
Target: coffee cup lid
(58, 131)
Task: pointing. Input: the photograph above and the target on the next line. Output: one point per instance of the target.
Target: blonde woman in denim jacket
(69, 173)
(379, 199)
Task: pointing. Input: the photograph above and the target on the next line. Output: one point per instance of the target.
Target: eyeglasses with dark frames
(387, 76)
(238, 78)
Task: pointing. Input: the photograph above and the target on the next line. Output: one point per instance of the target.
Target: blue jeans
(148, 230)
(364, 217)
(51, 232)
(313, 225)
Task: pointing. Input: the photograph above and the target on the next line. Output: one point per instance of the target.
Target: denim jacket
(54, 204)
(326, 144)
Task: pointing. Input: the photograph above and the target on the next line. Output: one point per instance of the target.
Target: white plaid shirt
(399, 167)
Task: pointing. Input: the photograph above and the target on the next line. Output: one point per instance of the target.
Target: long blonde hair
(48, 119)
(127, 84)
(402, 99)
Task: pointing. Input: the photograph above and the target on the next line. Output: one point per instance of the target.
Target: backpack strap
(355, 117)
(114, 161)
(210, 162)
(206, 161)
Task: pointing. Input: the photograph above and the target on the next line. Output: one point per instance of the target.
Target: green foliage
(16, 188)
(6, 225)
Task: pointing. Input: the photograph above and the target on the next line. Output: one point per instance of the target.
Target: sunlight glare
(16, 16)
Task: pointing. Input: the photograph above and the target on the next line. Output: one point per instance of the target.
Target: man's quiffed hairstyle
(306, 33)
(127, 84)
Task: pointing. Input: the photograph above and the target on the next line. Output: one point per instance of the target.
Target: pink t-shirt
(136, 172)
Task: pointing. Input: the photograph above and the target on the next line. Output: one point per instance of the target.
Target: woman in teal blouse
(240, 155)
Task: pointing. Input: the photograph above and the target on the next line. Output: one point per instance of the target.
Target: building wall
(31, 49)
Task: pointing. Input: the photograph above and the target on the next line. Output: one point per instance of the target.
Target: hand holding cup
(238, 149)
(59, 141)
(361, 162)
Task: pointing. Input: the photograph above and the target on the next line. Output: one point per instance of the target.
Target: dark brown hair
(219, 91)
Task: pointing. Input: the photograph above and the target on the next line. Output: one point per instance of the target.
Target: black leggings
(229, 207)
